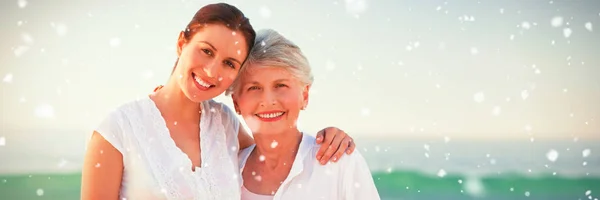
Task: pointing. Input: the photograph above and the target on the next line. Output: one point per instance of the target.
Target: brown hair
(224, 14)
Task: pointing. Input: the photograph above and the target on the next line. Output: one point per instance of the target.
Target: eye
(280, 85)
(230, 64)
(207, 52)
(253, 88)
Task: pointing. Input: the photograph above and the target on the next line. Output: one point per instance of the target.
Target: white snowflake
(552, 155)
(556, 21)
(479, 97)
(22, 3)
(527, 193)
(524, 94)
(496, 111)
(114, 42)
(355, 6)
(265, 12)
(567, 32)
(330, 65)
(261, 158)
(44, 111)
(274, 144)
(20, 50)
(27, 38)
(8, 78)
(441, 173)
(474, 51)
(39, 192)
(588, 193)
(588, 26)
(525, 25)
(586, 152)
(60, 28)
(365, 112)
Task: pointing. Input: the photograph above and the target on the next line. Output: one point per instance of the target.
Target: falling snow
(496, 111)
(441, 173)
(552, 155)
(8, 78)
(479, 97)
(274, 144)
(588, 26)
(556, 21)
(524, 94)
(474, 51)
(39, 192)
(114, 42)
(586, 152)
(265, 12)
(567, 32)
(44, 111)
(22, 3)
(330, 65)
(60, 28)
(355, 6)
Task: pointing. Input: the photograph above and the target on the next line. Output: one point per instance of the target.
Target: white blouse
(155, 168)
(347, 179)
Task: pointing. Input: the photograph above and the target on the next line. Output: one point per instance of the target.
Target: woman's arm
(334, 142)
(102, 170)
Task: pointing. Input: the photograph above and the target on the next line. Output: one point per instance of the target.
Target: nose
(268, 98)
(211, 69)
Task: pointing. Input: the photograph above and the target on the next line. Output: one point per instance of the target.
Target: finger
(351, 147)
(343, 148)
(331, 149)
(320, 135)
(326, 139)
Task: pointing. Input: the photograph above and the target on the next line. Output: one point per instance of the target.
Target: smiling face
(270, 99)
(209, 61)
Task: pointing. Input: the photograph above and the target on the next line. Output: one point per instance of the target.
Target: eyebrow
(276, 81)
(215, 49)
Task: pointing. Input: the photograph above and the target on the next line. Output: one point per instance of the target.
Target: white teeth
(202, 83)
(270, 115)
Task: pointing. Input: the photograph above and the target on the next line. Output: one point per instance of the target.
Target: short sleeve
(232, 125)
(110, 128)
(358, 181)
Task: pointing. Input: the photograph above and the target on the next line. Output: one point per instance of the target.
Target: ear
(305, 96)
(235, 104)
(181, 41)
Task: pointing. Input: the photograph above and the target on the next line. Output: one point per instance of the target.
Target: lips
(270, 116)
(201, 83)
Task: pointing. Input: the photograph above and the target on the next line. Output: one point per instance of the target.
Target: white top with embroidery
(348, 179)
(155, 168)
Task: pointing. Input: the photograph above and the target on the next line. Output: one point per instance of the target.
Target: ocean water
(420, 169)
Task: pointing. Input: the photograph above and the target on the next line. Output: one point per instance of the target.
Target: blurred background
(456, 99)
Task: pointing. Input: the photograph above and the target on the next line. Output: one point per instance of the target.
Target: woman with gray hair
(271, 91)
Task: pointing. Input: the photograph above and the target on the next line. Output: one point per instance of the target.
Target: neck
(173, 104)
(278, 149)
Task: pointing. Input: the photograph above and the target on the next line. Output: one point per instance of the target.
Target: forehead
(223, 39)
(257, 73)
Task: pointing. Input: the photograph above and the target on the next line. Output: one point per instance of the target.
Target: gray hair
(273, 50)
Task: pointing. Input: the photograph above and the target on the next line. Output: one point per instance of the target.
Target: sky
(472, 69)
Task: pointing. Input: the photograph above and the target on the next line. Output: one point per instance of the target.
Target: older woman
(269, 94)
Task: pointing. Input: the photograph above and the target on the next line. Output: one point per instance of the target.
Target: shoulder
(218, 107)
